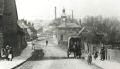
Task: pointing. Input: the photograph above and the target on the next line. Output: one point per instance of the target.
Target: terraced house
(10, 32)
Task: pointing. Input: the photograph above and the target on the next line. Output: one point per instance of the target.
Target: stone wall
(113, 55)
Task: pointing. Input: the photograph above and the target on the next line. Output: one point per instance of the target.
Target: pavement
(4, 64)
(106, 64)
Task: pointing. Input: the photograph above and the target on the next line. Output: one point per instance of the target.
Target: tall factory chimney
(72, 15)
(55, 13)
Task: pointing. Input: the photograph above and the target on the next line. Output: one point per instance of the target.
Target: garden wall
(113, 54)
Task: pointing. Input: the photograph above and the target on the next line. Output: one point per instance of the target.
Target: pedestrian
(10, 54)
(3, 53)
(33, 46)
(89, 59)
(102, 53)
(7, 48)
(95, 55)
(46, 42)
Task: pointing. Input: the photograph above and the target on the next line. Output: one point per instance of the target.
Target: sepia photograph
(59, 34)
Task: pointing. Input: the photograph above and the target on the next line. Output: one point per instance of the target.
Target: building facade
(66, 28)
(9, 29)
(64, 31)
(23, 25)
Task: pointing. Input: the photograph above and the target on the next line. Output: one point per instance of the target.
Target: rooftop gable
(22, 24)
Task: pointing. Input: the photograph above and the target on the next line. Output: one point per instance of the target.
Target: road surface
(54, 58)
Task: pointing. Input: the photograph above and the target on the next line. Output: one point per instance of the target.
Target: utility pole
(55, 13)
(72, 14)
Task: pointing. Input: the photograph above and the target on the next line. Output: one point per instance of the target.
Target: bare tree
(108, 27)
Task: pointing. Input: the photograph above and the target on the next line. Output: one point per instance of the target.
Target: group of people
(7, 53)
(102, 55)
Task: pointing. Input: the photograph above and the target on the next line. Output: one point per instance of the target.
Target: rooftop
(21, 24)
(69, 25)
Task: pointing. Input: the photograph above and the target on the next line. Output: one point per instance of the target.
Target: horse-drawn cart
(74, 46)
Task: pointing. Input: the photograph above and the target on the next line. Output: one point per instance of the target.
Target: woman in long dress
(10, 54)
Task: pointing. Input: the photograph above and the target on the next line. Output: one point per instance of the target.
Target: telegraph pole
(72, 15)
(55, 13)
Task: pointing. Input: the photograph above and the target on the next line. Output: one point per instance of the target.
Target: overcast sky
(44, 9)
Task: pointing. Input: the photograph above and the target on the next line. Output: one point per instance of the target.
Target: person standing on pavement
(7, 48)
(10, 54)
(3, 53)
(102, 52)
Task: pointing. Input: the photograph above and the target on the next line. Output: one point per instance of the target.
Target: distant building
(33, 34)
(66, 29)
(25, 28)
(28, 27)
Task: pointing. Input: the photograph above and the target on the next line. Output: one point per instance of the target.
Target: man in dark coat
(7, 49)
(102, 53)
(46, 42)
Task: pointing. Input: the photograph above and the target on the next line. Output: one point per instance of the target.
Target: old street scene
(59, 34)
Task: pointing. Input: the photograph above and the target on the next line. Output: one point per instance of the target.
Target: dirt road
(54, 58)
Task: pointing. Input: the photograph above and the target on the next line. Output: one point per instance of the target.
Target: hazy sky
(44, 9)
